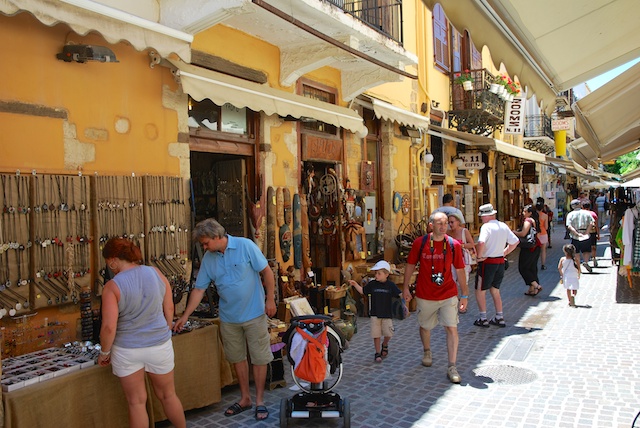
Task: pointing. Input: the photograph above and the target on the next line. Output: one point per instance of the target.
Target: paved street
(552, 366)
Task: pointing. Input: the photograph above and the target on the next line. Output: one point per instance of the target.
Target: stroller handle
(311, 322)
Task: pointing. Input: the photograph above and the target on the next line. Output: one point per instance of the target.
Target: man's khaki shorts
(430, 312)
(253, 334)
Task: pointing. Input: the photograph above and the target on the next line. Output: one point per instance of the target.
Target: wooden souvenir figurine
(297, 232)
(271, 223)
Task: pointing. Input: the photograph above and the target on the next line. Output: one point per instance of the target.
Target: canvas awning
(84, 16)
(608, 119)
(486, 142)
(201, 83)
(392, 113)
(457, 136)
(571, 41)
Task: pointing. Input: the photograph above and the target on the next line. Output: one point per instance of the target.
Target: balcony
(477, 111)
(538, 135)
(360, 38)
(384, 16)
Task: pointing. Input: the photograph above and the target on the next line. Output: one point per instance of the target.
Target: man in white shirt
(580, 224)
(495, 242)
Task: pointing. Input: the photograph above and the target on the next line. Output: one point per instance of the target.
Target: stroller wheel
(346, 413)
(284, 412)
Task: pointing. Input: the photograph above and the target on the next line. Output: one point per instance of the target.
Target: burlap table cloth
(93, 396)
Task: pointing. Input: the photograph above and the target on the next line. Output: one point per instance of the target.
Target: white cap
(382, 265)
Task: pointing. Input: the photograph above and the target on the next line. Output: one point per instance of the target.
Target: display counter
(93, 396)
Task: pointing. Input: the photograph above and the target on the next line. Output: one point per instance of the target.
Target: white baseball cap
(382, 265)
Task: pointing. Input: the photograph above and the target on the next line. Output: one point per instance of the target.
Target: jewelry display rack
(167, 241)
(48, 223)
(61, 215)
(119, 205)
(14, 245)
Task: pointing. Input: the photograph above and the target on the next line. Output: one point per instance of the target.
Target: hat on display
(382, 265)
(487, 209)
(575, 203)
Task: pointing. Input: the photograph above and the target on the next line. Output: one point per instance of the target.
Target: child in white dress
(569, 268)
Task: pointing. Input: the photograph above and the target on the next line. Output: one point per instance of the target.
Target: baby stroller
(314, 351)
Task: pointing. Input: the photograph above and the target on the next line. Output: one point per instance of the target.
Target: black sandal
(377, 357)
(385, 351)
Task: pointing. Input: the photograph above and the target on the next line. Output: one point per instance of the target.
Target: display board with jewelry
(61, 232)
(167, 236)
(25, 334)
(119, 206)
(14, 245)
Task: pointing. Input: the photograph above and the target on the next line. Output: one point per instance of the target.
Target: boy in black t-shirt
(380, 292)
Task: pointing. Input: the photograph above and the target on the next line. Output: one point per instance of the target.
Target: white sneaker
(426, 359)
(453, 375)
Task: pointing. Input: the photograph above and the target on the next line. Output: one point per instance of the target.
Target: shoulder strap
(424, 241)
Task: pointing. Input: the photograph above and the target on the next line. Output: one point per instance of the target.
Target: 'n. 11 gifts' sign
(514, 117)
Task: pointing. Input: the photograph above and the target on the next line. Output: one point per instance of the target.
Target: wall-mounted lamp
(457, 162)
(427, 157)
(84, 53)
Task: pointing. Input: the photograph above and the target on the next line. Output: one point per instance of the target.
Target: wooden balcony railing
(385, 16)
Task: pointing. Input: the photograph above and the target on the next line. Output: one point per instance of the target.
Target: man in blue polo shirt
(241, 275)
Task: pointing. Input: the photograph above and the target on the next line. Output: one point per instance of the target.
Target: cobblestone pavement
(552, 366)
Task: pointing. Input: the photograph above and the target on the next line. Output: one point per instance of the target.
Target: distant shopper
(543, 234)
(461, 234)
(579, 224)
(569, 269)
(137, 313)
(528, 259)
(495, 242)
(601, 207)
(449, 208)
(594, 236)
(437, 296)
(380, 293)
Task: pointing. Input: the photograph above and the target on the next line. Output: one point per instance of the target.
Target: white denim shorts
(154, 359)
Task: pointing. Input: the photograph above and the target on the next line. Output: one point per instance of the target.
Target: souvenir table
(93, 396)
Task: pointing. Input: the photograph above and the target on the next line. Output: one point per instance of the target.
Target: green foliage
(624, 164)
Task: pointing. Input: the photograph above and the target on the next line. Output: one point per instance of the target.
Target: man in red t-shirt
(436, 290)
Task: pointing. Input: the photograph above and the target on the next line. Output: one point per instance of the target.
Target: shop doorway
(323, 193)
(218, 190)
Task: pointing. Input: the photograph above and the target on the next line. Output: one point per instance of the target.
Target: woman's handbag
(529, 240)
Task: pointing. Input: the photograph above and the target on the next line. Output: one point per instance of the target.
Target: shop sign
(471, 160)
(560, 125)
(321, 148)
(511, 174)
(529, 173)
(514, 117)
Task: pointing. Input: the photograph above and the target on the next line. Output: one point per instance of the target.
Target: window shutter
(441, 39)
(456, 50)
(476, 58)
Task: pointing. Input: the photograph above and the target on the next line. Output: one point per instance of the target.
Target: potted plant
(465, 79)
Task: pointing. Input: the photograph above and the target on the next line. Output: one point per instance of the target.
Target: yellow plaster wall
(95, 96)
(245, 50)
